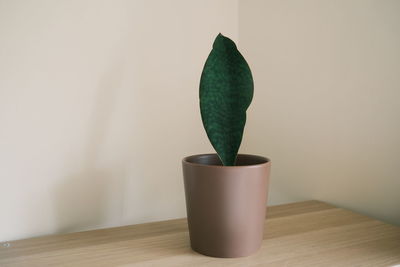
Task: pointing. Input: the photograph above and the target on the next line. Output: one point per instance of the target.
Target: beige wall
(98, 104)
(327, 100)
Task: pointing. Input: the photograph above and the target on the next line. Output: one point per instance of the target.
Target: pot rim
(267, 162)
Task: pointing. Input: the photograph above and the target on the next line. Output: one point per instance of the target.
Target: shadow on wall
(92, 197)
(81, 201)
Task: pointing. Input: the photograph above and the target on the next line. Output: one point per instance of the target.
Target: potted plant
(226, 193)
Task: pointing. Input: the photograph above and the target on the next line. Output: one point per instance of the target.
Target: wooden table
(308, 233)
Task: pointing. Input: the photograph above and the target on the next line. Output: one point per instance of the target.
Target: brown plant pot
(226, 205)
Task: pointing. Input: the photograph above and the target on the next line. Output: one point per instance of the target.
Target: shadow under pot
(226, 205)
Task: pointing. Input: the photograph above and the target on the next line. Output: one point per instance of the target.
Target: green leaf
(226, 91)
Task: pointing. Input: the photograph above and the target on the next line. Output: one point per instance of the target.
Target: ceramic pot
(226, 205)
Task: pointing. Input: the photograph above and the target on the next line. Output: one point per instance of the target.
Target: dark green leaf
(226, 91)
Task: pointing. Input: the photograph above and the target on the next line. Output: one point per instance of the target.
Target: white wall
(98, 105)
(327, 100)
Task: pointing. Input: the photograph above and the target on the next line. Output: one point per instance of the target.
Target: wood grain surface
(307, 233)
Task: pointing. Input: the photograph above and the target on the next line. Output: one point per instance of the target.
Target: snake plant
(226, 91)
